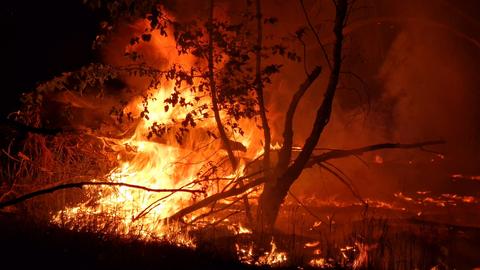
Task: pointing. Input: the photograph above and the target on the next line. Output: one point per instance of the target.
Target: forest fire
(235, 129)
(159, 165)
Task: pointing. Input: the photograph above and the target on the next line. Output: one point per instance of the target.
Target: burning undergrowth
(171, 143)
(135, 125)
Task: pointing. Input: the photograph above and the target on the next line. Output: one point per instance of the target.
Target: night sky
(42, 39)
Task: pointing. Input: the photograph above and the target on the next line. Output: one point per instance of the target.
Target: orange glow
(162, 163)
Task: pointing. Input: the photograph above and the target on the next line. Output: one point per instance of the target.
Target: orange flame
(161, 163)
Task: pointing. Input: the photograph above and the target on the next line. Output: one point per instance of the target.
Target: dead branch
(150, 207)
(286, 151)
(324, 111)
(224, 218)
(334, 154)
(349, 185)
(156, 203)
(81, 185)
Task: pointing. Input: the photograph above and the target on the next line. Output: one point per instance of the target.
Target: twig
(304, 206)
(213, 211)
(307, 18)
(215, 197)
(346, 183)
(334, 154)
(10, 156)
(224, 218)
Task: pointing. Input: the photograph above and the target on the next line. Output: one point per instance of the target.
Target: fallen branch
(81, 185)
(215, 197)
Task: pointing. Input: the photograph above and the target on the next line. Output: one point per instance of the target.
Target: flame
(273, 257)
(243, 230)
(465, 177)
(320, 263)
(442, 200)
(312, 244)
(161, 163)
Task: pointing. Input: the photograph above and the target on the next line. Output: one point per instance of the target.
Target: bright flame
(162, 163)
(273, 257)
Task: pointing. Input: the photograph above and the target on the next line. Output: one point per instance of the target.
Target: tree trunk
(273, 194)
(275, 189)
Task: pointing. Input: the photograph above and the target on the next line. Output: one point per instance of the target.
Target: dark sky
(39, 40)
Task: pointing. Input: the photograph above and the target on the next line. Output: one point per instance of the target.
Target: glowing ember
(442, 200)
(378, 159)
(312, 244)
(465, 177)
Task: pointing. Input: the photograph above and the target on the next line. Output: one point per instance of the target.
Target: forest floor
(29, 245)
(392, 244)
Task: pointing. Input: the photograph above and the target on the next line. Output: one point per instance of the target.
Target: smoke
(420, 66)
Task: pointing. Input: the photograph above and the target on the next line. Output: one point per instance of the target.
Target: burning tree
(194, 126)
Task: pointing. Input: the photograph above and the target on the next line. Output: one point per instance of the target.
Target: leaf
(146, 37)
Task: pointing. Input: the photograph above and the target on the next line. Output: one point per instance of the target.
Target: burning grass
(39, 161)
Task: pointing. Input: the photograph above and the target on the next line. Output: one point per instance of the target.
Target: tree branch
(213, 90)
(334, 154)
(325, 109)
(310, 25)
(286, 151)
(259, 89)
(81, 185)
